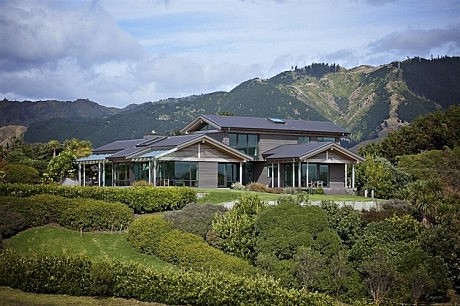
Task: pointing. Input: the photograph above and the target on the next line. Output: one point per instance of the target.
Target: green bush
(18, 173)
(140, 199)
(195, 218)
(156, 236)
(11, 222)
(145, 233)
(40, 209)
(78, 276)
(93, 215)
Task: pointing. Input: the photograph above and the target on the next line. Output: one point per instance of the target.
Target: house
(217, 151)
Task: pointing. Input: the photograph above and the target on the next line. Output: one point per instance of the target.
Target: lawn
(9, 296)
(94, 245)
(218, 196)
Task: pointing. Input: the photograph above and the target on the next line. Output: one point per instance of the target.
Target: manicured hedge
(60, 274)
(78, 213)
(140, 199)
(94, 215)
(156, 236)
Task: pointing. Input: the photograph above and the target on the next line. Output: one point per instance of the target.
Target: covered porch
(310, 166)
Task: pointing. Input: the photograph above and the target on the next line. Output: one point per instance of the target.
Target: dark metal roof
(174, 141)
(306, 150)
(255, 123)
(293, 150)
(118, 145)
(127, 152)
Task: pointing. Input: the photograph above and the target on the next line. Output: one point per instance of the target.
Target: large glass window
(141, 171)
(227, 174)
(325, 139)
(179, 173)
(121, 174)
(303, 139)
(318, 174)
(246, 143)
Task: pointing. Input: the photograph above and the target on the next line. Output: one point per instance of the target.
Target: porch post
(84, 175)
(346, 175)
(150, 171)
(293, 173)
(273, 176)
(307, 175)
(353, 176)
(241, 173)
(155, 172)
(99, 174)
(299, 174)
(279, 170)
(79, 174)
(103, 173)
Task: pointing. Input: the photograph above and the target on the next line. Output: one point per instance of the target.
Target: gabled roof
(118, 145)
(307, 150)
(235, 123)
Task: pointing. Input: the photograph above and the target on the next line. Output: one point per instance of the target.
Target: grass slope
(9, 296)
(94, 245)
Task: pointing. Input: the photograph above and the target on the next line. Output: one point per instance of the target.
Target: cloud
(34, 33)
(419, 41)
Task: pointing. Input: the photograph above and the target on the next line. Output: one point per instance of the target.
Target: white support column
(299, 174)
(150, 171)
(79, 174)
(155, 172)
(293, 174)
(84, 175)
(99, 174)
(279, 176)
(307, 176)
(113, 174)
(346, 175)
(273, 176)
(103, 174)
(353, 176)
(241, 173)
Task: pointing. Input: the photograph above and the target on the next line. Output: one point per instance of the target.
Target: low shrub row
(140, 199)
(155, 236)
(78, 213)
(79, 276)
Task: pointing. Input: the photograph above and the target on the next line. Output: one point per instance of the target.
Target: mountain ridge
(367, 101)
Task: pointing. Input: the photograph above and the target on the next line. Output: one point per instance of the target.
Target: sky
(119, 52)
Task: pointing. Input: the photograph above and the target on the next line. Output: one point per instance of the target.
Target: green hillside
(368, 101)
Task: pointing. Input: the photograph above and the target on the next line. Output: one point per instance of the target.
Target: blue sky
(118, 52)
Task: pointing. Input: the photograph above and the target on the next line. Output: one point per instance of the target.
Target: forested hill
(368, 101)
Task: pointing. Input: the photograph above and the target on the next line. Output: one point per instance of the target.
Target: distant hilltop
(367, 101)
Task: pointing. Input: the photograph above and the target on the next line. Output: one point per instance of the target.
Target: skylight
(276, 120)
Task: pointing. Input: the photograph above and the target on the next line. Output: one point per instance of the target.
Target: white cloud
(117, 52)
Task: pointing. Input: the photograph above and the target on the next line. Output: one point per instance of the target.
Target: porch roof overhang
(151, 155)
(93, 159)
(304, 152)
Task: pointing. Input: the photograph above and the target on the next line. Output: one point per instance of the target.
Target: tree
(425, 196)
(61, 166)
(379, 273)
(234, 231)
(79, 148)
(53, 145)
(378, 174)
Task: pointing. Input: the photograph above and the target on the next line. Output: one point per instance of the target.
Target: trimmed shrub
(156, 236)
(78, 276)
(11, 222)
(145, 233)
(195, 218)
(40, 209)
(140, 199)
(93, 215)
(18, 173)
